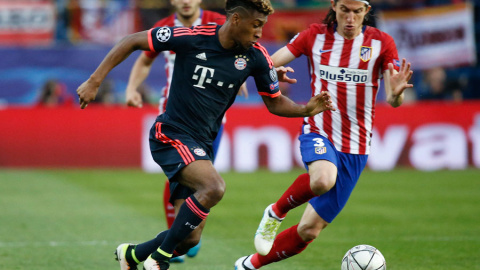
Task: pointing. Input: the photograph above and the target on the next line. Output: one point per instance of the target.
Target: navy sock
(191, 214)
(143, 250)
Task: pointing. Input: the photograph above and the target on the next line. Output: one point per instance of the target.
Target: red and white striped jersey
(206, 17)
(351, 71)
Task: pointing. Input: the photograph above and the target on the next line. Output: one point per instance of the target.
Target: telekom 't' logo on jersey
(205, 76)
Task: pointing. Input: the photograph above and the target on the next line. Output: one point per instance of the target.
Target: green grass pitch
(74, 219)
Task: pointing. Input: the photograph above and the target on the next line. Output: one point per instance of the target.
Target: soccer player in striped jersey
(211, 64)
(187, 14)
(347, 59)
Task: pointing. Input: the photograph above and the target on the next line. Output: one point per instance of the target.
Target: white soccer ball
(363, 257)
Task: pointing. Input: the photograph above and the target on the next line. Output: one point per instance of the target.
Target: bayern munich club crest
(241, 62)
(163, 34)
(199, 152)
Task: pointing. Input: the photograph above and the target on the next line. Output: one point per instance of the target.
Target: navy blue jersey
(207, 77)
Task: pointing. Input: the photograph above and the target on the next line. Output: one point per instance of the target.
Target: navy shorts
(314, 147)
(173, 149)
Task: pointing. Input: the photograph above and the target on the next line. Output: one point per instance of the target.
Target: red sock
(287, 244)
(297, 194)
(169, 209)
(177, 254)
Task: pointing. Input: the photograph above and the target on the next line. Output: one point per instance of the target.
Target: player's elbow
(272, 105)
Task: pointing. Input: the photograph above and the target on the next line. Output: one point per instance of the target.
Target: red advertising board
(425, 136)
(27, 22)
(70, 137)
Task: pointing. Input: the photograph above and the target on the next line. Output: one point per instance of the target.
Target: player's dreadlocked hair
(262, 6)
(331, 17)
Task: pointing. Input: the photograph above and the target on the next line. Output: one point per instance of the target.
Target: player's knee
(215, 191)
(309, 233)
(321, 183)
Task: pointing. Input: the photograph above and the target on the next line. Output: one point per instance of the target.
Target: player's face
(350, 16)
(249, 29)
(186, 8)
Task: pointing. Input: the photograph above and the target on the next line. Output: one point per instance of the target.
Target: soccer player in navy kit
(212, 62)
(187, 13)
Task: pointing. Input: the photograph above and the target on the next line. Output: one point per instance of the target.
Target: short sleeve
(390, 54)
(298, 45)
(169, 38)
(265, 74)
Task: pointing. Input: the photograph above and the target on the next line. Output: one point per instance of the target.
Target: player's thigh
(320, 158)
(206, 183)
(323, 174)
(311, 224)
(200, 175)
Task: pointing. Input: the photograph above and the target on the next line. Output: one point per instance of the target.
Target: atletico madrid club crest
(320, 150)
(366, 53)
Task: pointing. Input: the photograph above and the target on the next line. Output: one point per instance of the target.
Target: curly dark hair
(262, 6)
(331, 17)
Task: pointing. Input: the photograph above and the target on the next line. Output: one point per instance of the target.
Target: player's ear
(235, 18)
(332, 3)
(368, 9)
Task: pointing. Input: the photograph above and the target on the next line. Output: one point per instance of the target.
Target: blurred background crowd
(49, 47)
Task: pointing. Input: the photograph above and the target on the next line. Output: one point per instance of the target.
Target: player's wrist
(395, 100)
(131, 90)
(308, 111)
(94, 80)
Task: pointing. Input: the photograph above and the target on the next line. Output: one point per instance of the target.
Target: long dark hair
(331, 17)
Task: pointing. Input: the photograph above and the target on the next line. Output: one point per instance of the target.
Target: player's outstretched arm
(138, 74)
(397, 82)
(283, 106)
(89, 89)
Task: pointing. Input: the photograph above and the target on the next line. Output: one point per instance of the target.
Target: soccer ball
(363, 257)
